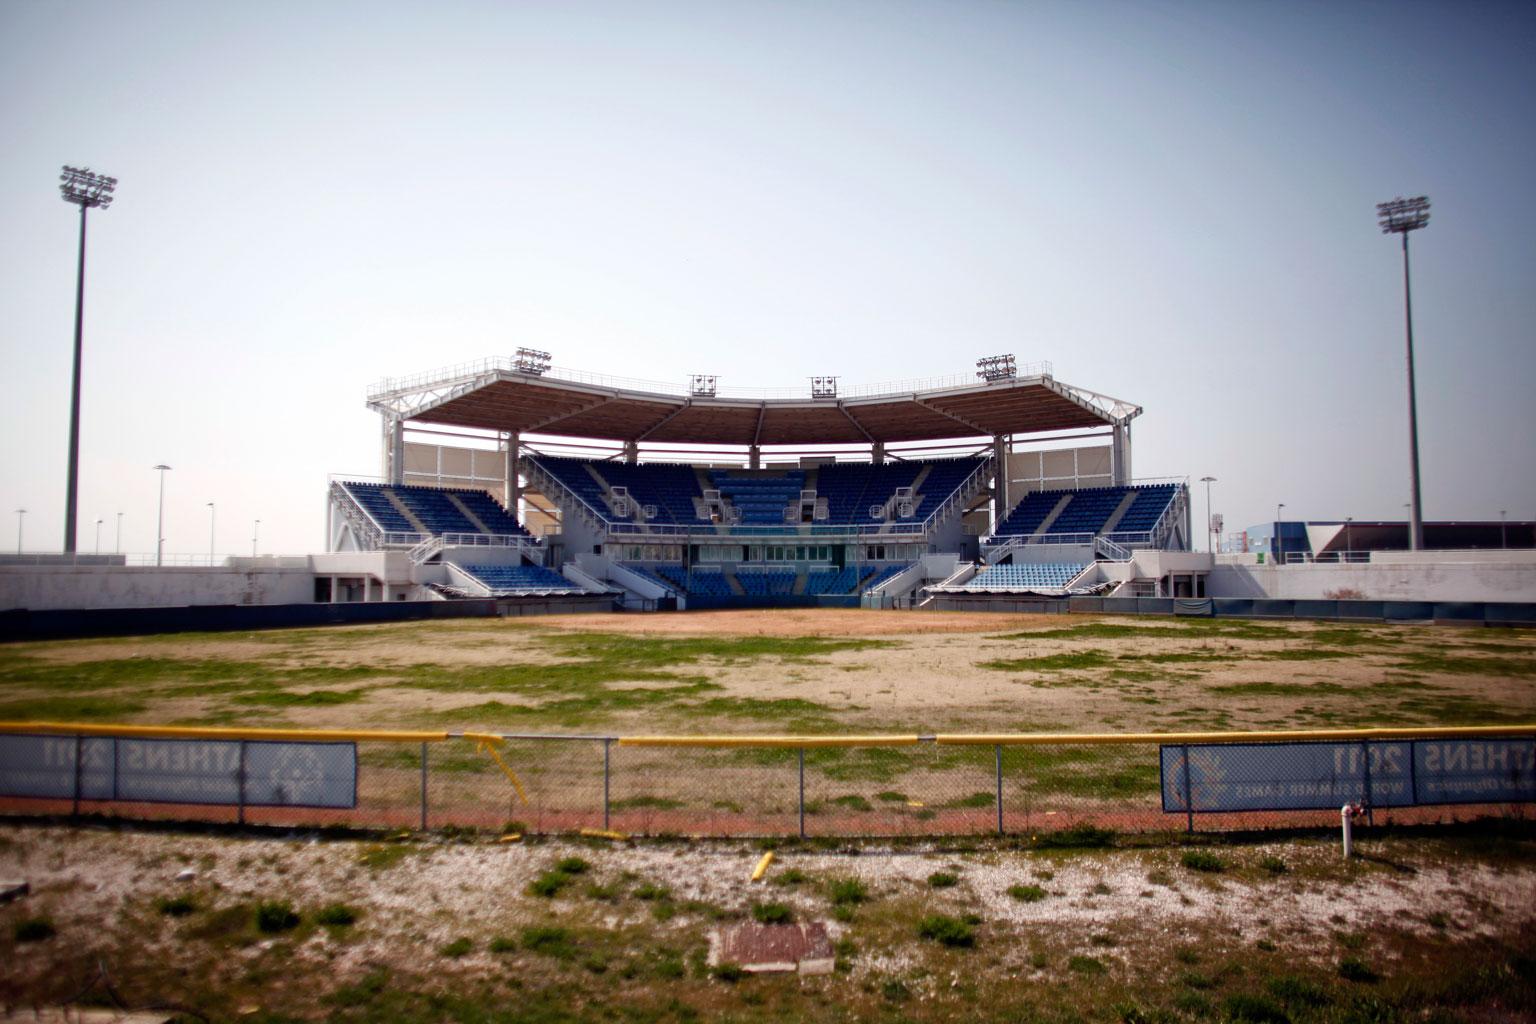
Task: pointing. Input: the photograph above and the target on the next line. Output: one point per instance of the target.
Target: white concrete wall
(1424, 576)
(67, 586)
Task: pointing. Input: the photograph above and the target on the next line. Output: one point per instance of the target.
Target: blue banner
(256, 773)
(1207, 778)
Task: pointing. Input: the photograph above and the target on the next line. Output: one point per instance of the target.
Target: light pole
(99, 521)
(160, 522)
(1210, 523)
(117, 546)
(79, 186)
(21, 516)
(212, 522)
(1503, 537)
(1348, 549)
(1279, 544)
(255, 532)
(1399, 217)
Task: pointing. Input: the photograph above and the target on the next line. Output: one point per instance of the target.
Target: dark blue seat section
(835, 581)
(1147, 509)
(433, 507)
(852, 487)
(519, 579)
(573, 474)
(762, 497)
(670, 486)
(944, 477)
(703, 583)
(373, 500)
(491, 512)
(1089, 509)
(767, 583)
(655, 577)
(1027, 516)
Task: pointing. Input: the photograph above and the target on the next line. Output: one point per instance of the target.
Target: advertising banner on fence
(253, 773)
(1206, 778)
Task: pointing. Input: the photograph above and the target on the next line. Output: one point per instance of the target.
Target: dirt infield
(820, 622)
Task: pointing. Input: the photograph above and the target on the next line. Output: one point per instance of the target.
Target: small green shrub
(1186, 955)
(275, 916)
(1086, 965)
(337, 915)
(1196, 980)
(947, 931)
(728, 972)
(853, 801)
(772, 913)
(847, 891)
(1350, 940)
(1352, 968)
(651, 891)
(549, 884)
(1078, 836)
(1298, 991)
(502, 944)
(549, 940)
(895, 990)
(1202, 860)
(571, 865)
(1251, 1009)
(176, 906)
(943, 880)
(794, 876)
(1266, 946)
(1026, 893)
(458, 947)
(1274, 865)
(33, 929)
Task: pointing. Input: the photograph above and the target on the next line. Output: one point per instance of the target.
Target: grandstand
(707, 498)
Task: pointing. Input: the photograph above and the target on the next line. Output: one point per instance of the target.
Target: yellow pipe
(762, 867)
(220, 733)
(1092, 739)
(786, 742)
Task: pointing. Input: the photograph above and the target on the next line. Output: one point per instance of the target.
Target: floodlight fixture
(83, 188)
(532, 361)
(1400, 217)
(86, 190)
(702, 385)
(995, 368)
(823, 387)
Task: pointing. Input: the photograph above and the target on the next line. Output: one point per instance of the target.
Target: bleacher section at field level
(752, 583)
(517, 580)
(1031, 576)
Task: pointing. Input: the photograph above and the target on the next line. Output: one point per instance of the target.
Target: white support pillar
(1000, 479)
(512, 481)
(1120, 454)
(367, 589)
(394, 449)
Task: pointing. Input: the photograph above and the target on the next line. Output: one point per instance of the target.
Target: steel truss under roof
(495, 395)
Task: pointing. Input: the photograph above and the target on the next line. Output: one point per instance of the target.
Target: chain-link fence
(812, 786)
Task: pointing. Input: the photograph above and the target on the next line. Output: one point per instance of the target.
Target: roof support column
(1000, 504)
(394, 449)
(877, 453)
(755, 457)
(1120, 454)
(512, 481)
(631, 452)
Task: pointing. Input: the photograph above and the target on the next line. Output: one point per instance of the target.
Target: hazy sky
(1173, 203)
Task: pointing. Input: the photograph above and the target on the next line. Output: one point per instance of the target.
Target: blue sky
(1172, 203)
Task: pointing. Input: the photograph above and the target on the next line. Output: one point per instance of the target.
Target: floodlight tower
(1399, 217)
(86, 190)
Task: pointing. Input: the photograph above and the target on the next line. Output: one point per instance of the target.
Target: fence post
(79, 746)
(1189, 804)
(1365, 766)
(240, 783)
(607, 775)
(802, 792)
(997, 751)
(423, 785)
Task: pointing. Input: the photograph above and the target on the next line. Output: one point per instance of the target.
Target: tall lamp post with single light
(86, 190)
(1399, 217)
(1210, 522)
(21, 517)
(255, 533)
(212, 523)
(160, 521)
(1279, 543)
(1503, 536)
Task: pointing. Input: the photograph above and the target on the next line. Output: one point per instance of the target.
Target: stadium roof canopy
(502, 394)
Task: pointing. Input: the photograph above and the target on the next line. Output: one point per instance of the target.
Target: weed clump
(1026, 893)
(1352, 968)
(1086, 965)
(571, 865)
(458, 947)
(336, 915)
(1274, 865)
(847, 892)
(274, 916)
(772, 913)
(1203, 860)
(943, 880)
(550, 940)
(175, 906)
(947, 931)
(33, 929)
(1077, 837)
(1251, 1009)
(651, 891)
(728, 972)
(551, 882)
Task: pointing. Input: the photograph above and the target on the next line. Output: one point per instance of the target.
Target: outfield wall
(1388, 576)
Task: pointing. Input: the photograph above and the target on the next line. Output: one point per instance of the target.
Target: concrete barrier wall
(24, 624)
(102, 586)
